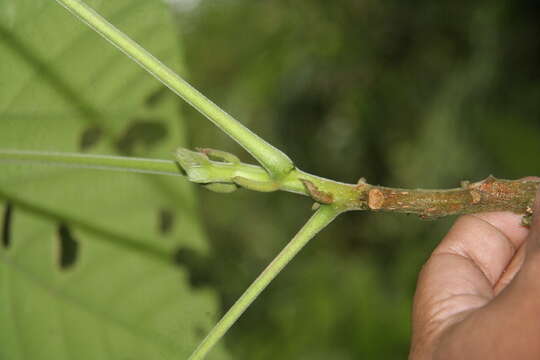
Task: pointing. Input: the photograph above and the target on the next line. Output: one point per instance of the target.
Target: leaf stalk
(316, 223)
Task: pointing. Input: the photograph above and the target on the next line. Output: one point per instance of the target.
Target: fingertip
(527, 278)
(533, 240)
(535, 223)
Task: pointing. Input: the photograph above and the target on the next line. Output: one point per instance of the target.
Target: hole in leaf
(68, 247)
(200, 331)
(155, 97)
(90, 137)
(165, 221)
(6, 225)
(141, 135)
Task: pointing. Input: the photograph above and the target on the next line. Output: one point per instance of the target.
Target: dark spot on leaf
(165, 221)
(68, 247)
(200, 274)
(200, 331)
(90, 137)
(156, 96)
(6, 225)
(141, 135)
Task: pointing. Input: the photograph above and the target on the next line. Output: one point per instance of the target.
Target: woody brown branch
(490, 194)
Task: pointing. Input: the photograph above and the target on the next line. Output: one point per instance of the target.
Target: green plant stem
(490, 194)
(318, 221)
(102, 162)
(273, 160)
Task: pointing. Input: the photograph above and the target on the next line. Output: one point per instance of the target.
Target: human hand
(478, 295)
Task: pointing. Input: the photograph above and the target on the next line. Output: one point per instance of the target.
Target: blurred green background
(404, 93)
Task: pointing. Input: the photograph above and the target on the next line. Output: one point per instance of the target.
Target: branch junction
(210, 167)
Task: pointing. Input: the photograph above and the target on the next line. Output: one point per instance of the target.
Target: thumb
(515, 310)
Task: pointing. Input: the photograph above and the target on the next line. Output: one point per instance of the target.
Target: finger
(478, 258)
(487, 241)
(518, 260)
(491, 249)
(509, 323)
(510, 226)
(527, 279)
(462, 271)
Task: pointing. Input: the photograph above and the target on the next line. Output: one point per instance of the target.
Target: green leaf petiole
(272, 159)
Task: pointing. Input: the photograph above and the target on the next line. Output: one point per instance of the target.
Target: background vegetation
(409, 94)
(404, 93)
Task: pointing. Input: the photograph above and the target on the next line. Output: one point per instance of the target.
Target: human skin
(478, 295)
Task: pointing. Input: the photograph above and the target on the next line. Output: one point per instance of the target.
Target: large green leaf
(86, 258)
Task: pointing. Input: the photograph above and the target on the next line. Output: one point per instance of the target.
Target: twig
(228, 173)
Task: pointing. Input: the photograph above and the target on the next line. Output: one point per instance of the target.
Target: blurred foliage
(405, 93)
